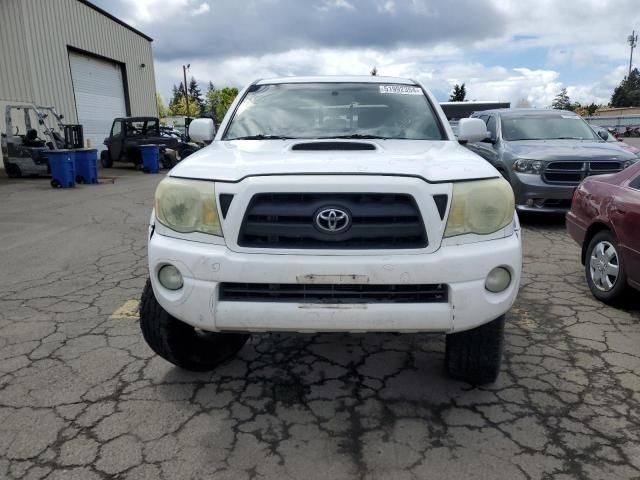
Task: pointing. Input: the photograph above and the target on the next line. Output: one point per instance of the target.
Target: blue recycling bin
(86, 165)
(63, 168)
(150, 158)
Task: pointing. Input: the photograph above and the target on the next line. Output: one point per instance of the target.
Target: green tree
(220, 100)
(627, 94)
(176, 94)
(211, 99)
(374, 71)
(562, 101)
(591, 109)
(162, 110)
(179, 108)
(459, 93)
(195, 95)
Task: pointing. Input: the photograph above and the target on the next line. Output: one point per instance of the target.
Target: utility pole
(632, 40)
(186, 93)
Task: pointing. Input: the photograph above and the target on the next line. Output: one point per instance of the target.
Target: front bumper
(463, 268)
(534, 195)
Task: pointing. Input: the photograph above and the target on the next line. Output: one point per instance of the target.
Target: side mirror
(61, 116)
(202, 130)
(603, 134)
(472, 130)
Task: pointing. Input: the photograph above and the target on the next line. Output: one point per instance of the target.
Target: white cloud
(526, 49)
(203, 8)
(483, 82)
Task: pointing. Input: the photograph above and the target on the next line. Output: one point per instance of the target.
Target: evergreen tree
(211, 100)
(459, 93)
(374, 71)
(195, 95)
(562, 101)
(627, 94)
(175, 98)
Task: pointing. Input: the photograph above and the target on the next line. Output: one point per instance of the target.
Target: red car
(605, 219)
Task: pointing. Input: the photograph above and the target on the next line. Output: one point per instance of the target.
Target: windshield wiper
(355, 136)
(569, 138)
(260, 136)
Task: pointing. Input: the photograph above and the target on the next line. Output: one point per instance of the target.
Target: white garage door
(99, 90)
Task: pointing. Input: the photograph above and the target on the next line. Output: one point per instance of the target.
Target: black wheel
(55, 184)
(475, 355)
(168, 161)
(604, 268)
(186, 152)
(181, 344)
(105, 159)
(13, 171)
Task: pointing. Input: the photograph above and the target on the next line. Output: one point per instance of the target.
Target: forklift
(25, 153)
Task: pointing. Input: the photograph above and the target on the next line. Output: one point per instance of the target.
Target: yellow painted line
(127, 311)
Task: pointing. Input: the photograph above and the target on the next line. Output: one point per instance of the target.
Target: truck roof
(337, 79)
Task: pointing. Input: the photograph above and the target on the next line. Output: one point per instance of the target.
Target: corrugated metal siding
(34, 62)
(15, 79)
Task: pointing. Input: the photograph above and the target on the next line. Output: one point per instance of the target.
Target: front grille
(572, 173)
(288, 220)
(327, 293)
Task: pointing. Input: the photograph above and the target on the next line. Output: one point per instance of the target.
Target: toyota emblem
(333, 220)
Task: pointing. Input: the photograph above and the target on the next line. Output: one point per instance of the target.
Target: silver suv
(545, 154)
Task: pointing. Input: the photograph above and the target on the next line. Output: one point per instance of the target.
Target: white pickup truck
(330, 204)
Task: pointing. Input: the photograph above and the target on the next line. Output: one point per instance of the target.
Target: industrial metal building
(74, 56)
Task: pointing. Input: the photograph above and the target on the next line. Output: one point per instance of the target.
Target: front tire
(105, 159)
(13, 171)
(474, 356)
(604, 268)
(182, 344)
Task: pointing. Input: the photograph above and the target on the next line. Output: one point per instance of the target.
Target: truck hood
(566, 150)
(434, 161)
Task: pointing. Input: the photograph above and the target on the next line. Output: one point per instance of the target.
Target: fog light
(498, 280)
(170, 277)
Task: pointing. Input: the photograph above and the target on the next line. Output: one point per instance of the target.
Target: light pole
(186, 94)
(632, 40)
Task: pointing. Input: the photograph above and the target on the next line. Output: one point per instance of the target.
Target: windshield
(546, 127)
(334, 110)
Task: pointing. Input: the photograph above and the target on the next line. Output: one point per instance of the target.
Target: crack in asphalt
(82, 396)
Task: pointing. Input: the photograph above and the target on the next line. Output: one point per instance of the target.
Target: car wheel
(13, 171)
(186, 152)
(182, 344)
(474, 356)
(168, 161)
(604, 269)
(105, 159)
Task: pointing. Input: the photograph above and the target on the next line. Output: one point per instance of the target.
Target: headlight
(188, 206)
(481, 207)
(527, 166)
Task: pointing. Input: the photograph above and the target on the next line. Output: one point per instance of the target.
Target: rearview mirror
(472, 130)
(202, 130)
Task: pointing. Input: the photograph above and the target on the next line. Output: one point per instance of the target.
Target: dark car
(605, 219)
(126, 136)
(545, 154)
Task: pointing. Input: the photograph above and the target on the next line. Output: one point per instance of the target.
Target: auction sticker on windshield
(401, 89)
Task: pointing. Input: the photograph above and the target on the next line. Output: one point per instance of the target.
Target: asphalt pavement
(83, 397)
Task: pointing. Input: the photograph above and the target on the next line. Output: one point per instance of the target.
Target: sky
(504, 50)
